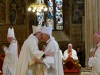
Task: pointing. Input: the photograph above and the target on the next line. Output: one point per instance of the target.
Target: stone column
(98, 3)
(83, 28)
(92, 21)
(27, 16)
(7, 6)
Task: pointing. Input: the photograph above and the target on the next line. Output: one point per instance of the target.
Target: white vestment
(11, 59)
(53, 65)
(96, 62)
(61, 54)
(26, 63)
(74, 54)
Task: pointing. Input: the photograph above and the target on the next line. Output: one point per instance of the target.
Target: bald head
(69, 46)
(96, 37)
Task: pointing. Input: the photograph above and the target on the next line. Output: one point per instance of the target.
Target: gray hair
(98, 34)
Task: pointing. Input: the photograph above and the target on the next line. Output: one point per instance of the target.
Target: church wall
(13, 13)
(73, 19)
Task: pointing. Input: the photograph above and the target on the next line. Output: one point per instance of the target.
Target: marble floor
(85, 71)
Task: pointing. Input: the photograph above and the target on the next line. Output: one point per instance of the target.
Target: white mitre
(36, 29)
(11, 33)
(47, 30)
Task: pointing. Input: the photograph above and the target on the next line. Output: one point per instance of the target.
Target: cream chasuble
(29, 51)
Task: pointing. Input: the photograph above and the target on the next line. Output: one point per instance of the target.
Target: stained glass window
(59, 15)
(50, 19)
(54, 15)
(40, 18)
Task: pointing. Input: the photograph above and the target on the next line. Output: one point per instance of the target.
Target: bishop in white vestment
(11, 54)
(53, 64)
(29, 51)
(94, 61)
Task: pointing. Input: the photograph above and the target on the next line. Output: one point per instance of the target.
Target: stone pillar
(7, 11)
(27, 16)
(83, 28)
(98, 3)
(92, 21)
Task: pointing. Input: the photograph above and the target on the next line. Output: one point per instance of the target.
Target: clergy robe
(74, 54)
(96, 62)
(11, 59)
(53, 64)
(61, 54)
(29, 51)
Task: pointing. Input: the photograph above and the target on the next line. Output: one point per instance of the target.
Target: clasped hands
(69, 55)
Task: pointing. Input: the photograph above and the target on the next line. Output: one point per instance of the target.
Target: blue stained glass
(40, 19)
(59, 15)
(50, 12)
(50, 20)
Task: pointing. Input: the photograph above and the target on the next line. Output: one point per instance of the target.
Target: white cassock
(53, 65)
(61, 54)
(90, 62)
(74, 54)
(11, 59)
(26, 63)
(96, 62)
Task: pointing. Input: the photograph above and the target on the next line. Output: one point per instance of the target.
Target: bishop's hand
(38, 61)
(3, 46)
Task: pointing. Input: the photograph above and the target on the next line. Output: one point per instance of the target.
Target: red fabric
(2, 55)
(0, 73)
(69, 65)
(71, 71)
(1, 63)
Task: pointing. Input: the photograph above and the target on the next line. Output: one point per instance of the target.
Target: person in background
(11, 54)
(80, 54)
(70, 52)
